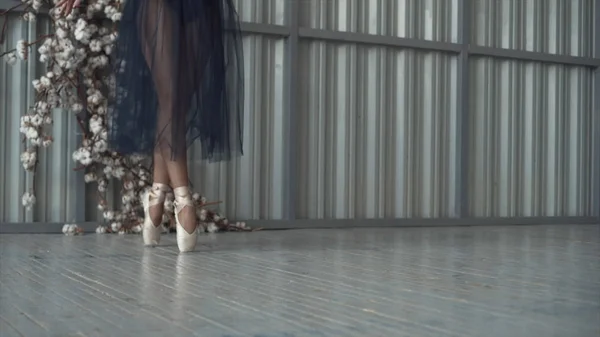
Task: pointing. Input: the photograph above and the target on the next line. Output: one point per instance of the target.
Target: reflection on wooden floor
(479, 281)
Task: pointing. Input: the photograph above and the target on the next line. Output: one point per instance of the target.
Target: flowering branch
(77, 54)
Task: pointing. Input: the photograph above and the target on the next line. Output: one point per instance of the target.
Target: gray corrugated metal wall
(377, 134)
(377, 126)
(533, 149)
(434, 20)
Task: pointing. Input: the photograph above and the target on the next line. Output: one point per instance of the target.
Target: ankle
(183, 198)
(155, 202)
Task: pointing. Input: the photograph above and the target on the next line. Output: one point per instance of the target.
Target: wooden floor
(479, 281)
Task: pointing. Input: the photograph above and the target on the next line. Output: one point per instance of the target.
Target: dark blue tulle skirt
(178, 67)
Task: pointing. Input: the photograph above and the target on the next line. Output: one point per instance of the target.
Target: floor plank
(465, 281)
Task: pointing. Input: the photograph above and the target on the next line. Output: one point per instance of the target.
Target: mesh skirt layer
(179, 79)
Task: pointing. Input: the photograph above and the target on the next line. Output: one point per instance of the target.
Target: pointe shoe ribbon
(156, 195)
(185, 241)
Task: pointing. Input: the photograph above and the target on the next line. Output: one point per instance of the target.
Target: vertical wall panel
(549, 26)
(434, 20)
(596, 112)
(377, 132)
(251, 187)
(55, 182)
(261, 11)
(531, 149)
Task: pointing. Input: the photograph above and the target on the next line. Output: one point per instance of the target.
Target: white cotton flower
(32, 134)
(203, 214)
(101, 207)
(110, 10)
(136, 158)
(108, 170)
(41, 107)
(28, 200)
(196, 196)
(108, 161)
(48, 120)
(95, 98)
(36, 120)
(43, 49)
(47, 142)
(96, 124)
(100, 146)
(115, 226)
(37, 4)
(95, 46)
(212, 228)
(61, 33)
(82, 34)
(116, 17)
(203, 200)
(77, 107)
(25, 121)
(70, 229)
(136, 229)
(109, 215)
(240, 225)
(128, 207)
(55, 13)
(128, 185)
(76, 229)
(92, 29)
(122, 232)
(29, 159)
(37, 85)
(52, 98)
(45, 81)
(100, 230)
(83, 156)
(11, 58)
(100, 61)
(81, 24)
(29, 17)
(89, 177)
(102, 185)
(22, 49)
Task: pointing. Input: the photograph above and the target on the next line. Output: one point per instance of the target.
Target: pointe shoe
(185, 241)
(155, 196)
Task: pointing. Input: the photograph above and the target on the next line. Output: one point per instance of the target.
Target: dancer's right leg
(154, 201)
(155, 25)
(160, 182)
